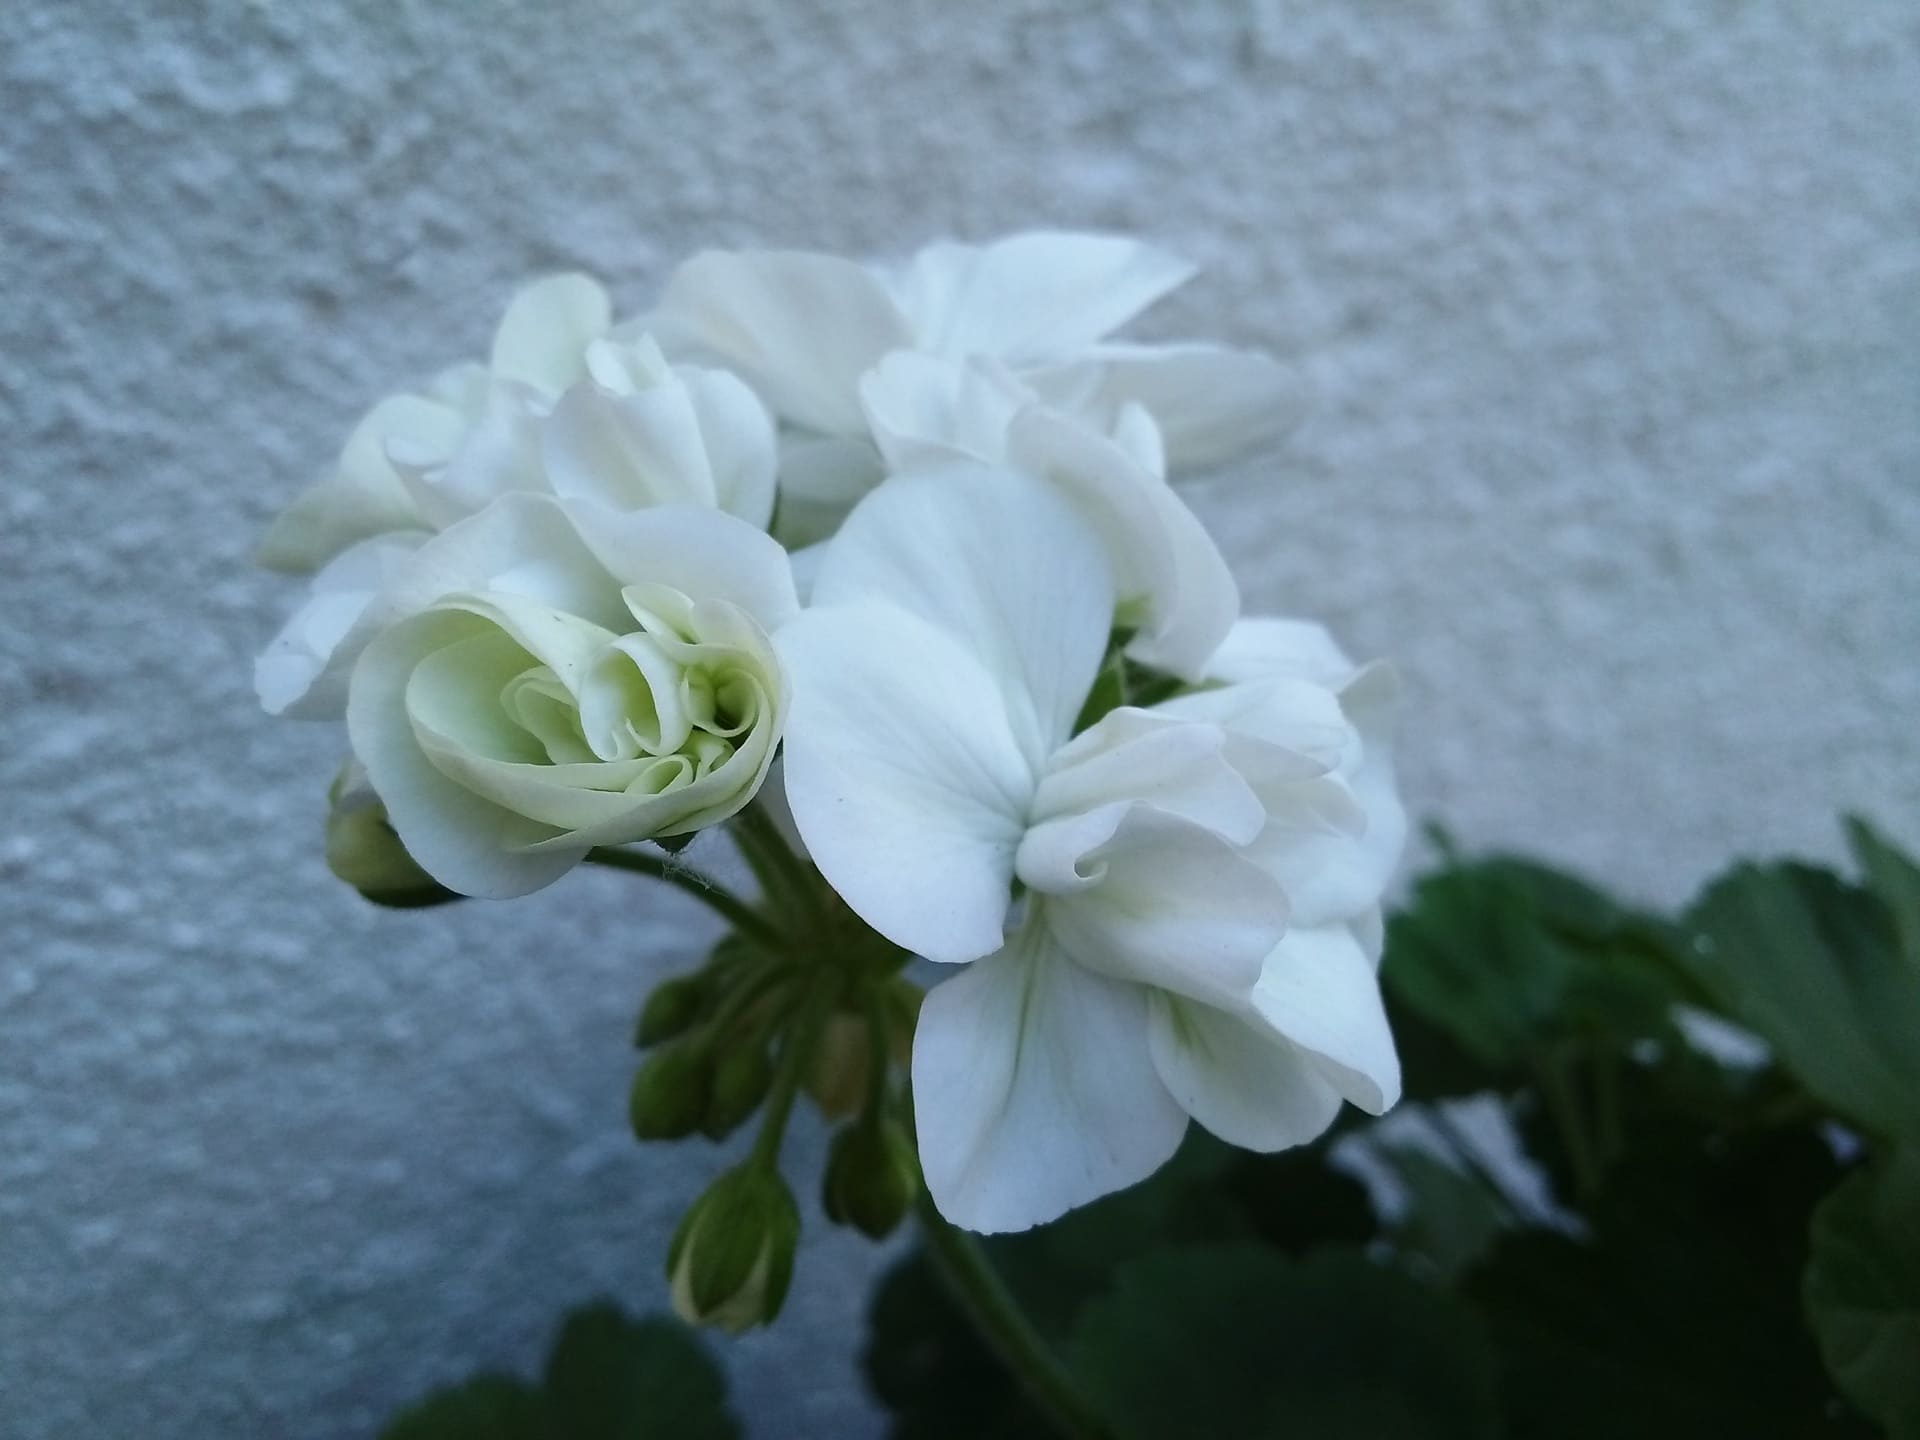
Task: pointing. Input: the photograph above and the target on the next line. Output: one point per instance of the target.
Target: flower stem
(1562, 1099)
(795, 1050)
(1005, 1326)
(714, 896)
(782, 879)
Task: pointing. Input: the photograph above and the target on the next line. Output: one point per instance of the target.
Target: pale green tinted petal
(464, 841)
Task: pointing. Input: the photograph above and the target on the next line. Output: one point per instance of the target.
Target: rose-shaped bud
(514, 726)
(671, 1009)
(732, 1255)
(363, 850)
(871, 1178)
(740, 1082)
(671, 1091)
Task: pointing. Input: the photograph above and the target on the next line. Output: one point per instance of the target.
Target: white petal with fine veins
(904, 776)
(1032, 297)
(1034, 1089)
(1001, 563)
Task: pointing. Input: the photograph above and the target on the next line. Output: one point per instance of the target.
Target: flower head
(1146, 973)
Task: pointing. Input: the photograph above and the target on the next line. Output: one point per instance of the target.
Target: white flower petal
(1182, 768)
(800, 328)
(542, 340)
(519, 545)
(1032, 297)
(285, 675)
(1237, 1078)
(1210, 403)
(1169, 905)
(928, 409)
(821, 478)
(1296, 715)
(1164, 563)
(1266, 647)
(1319, 990)
(1002, 564)
(703, 552)
(742, 453)
(1034, 1090)
(904, 776)
(627, 451)
(364, 496)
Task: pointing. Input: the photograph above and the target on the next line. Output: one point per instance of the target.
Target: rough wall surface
(1614, 318)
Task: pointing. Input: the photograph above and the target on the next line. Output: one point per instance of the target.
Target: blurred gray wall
(1614, 318)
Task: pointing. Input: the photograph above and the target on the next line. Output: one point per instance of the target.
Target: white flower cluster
(912, 529)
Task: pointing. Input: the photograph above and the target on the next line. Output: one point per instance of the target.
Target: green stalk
(1006, 1328)
(714, 896)
(783, 879)
(795, 1050)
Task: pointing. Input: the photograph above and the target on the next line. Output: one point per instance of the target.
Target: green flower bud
(872, 1178)
(671, 1009)
(732, 1256)
(740, 1083)
(670, 1092)
(363, 850)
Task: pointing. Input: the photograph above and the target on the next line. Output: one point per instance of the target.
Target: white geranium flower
(562, 408)
(548, 676)
(804, 328)
(957, 625)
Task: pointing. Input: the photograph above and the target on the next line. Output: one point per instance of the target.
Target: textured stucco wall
(1614, 314)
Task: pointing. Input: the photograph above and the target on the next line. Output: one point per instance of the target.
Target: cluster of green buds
(799, 998)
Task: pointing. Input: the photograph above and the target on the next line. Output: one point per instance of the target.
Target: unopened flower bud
(672, 1007)
(670, 1092)
(872, 1178)
(840, 1072)
(363, 850)
(732, 1255)
(841, 1067)
(740, 1082)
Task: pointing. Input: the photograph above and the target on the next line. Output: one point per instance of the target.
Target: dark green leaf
(930, 1368)
(1678, 1312)
(1508, 960)
(608, 1378)
(1813, 966)
(1239, 1341)
(1451, 1218)
(611, 1378)
(1863, 1290)
(489, 1407)
(1894, 880)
